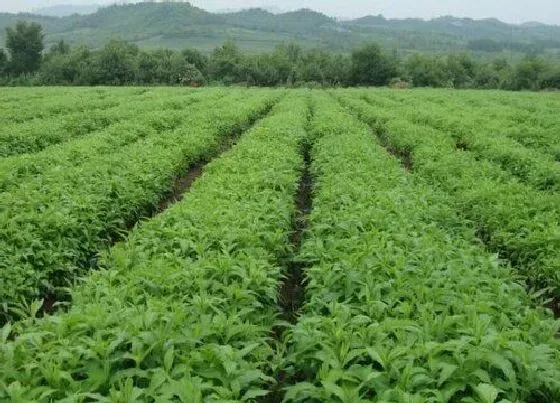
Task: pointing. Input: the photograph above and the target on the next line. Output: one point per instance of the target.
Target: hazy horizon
(545, 11)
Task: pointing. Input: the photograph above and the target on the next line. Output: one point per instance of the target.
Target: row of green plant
(56, 222)
(37, 134)
(518, 222)
(472, 131)
(183, 310)
(529, 119)
(17, 110)
(166, 114)
(20, 105)
(402, 302)
(525, 107)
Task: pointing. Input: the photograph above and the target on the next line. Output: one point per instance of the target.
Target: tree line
(26, 62)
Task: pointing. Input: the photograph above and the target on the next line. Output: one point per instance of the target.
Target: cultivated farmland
(228, 245)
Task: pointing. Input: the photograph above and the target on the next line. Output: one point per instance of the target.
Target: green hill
(180, 25)
(62, 10)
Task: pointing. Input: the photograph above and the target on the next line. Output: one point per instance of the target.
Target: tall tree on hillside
(25, 43)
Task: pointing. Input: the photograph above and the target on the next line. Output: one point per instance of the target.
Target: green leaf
(446, 371)
(503, 364)
(299, 391)
(487, 393)
(254, 393)
(168, 359)
(333, 389)
(374, 355)
(6, 331)
(35, 307)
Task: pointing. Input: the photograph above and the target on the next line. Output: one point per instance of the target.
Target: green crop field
(269, 245)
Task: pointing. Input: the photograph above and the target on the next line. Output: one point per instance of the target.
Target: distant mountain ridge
(181, 25)
(273, 10)
(64, 10)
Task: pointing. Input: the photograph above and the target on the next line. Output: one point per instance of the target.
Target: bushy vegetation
(121, 63)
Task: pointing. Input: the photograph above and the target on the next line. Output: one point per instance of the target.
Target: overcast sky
(507, 10)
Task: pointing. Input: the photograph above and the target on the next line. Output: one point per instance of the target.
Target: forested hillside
(180, 25)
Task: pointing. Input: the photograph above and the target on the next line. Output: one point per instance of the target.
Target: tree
(285, 59)
(551, 79)
(55, 70)
(117, 63)
(196, 58)
(371, 66)
(311, 67)
(293, 51)
(61, 48)
(528, 73)
(83, 65)
(190, 75)
(461, 69)
(226, 64)
(487, 77)
(76, 67)
(335, 68)
(262, 71)
(163, 71)
(425, 71)
(184, 73)
(25, 44)
(147, 64)
(500, 64)
(3, 61)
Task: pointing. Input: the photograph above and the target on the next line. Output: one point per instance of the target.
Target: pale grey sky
(547, 11)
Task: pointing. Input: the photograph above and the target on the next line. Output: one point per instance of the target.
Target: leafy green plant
(183, 310)
(402, 302)
(85, 117)
(482, 131)
(55, 223)
(513, 219)
(412, 255)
